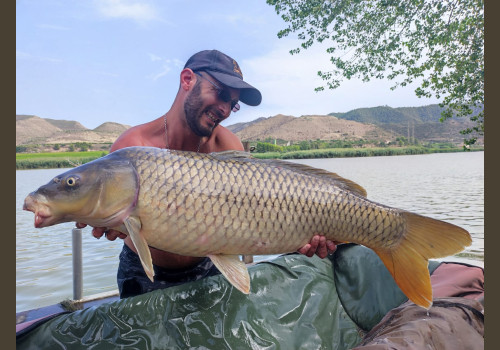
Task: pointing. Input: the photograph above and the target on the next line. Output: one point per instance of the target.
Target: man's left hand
(318, 245)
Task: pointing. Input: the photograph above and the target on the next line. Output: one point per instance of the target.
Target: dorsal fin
(309, 170)
(224, 155)
(301, 168)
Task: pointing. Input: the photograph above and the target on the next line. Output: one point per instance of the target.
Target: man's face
(203, 109)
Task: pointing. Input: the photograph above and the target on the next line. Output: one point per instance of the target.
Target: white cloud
(287, 81)
(154, 57)
(22, 55)
(126, 9)
(52, 26)
(163, 72)
(167, 66)
(26, 56)
(107, 74)
(287, 84)
(237, 19)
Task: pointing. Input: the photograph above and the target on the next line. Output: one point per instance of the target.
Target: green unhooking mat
(294, 302)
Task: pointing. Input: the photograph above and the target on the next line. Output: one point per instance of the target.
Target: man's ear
(188, 79)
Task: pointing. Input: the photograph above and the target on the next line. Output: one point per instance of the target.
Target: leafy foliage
(83, 146)
(440, 42)
(265, 147)
(357, 152)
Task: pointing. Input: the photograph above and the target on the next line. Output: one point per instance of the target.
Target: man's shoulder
(222, 131)
(226, 140)
(135, 136)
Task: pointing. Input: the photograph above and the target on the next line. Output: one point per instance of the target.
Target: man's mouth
(214, 118)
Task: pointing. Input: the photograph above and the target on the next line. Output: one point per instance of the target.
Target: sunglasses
(223, 94)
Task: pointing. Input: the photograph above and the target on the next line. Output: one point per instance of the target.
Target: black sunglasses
(223, 94)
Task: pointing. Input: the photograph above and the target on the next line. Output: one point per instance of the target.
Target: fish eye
(71, 181)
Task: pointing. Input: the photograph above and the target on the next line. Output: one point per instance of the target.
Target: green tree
(304, 145)
(440, 42)
(263, 147)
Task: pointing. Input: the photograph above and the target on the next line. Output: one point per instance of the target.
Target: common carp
(224, 204)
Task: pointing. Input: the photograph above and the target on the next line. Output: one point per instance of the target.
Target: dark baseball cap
(227, 71)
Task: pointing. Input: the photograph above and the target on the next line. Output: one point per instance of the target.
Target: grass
(353, 152)
(55, 159)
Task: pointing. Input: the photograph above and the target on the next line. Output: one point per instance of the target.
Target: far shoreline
(54, 160)
(361, 152)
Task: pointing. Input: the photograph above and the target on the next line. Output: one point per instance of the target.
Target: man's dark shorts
(132, 280)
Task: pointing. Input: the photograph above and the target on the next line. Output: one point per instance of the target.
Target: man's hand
(319, 246)
(98, 232)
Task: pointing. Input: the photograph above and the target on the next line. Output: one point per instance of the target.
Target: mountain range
(381, 123)
(31, 129)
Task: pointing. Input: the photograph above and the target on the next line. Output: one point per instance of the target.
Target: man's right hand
(98, 232)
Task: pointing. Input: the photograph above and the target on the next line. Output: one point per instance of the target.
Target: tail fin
(424, 239)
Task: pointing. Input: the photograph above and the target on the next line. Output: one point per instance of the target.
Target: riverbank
(357, 152)
(54, 160)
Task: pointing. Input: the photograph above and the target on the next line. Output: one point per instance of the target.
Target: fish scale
(224, 204)
(232, 202)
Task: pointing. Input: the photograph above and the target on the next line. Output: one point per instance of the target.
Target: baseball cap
(227, 71)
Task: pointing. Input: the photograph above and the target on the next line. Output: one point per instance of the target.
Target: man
(211, 86)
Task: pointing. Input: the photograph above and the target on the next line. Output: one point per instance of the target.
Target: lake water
(446, 186)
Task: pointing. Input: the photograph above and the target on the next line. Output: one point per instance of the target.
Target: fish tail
(425, 238)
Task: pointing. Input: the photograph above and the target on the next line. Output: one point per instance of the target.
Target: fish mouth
(41, 220)
(42, 216)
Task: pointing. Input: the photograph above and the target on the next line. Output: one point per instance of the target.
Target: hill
(240, 126)
(110, 127)
(66, 124)
(388, 115)
(31, 129)
(419, 122)
(307, 127)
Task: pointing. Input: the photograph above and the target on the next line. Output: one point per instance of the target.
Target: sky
(97, 61)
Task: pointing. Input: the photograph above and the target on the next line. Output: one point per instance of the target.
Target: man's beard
(193, 110)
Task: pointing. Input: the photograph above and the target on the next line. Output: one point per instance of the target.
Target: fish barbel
(224, 204)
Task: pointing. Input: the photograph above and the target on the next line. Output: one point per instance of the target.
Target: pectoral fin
(133, 225)
(234, 270)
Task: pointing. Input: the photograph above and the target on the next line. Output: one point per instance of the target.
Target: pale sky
(97, 61)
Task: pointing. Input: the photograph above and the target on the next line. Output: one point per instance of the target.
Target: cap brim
(248, 94)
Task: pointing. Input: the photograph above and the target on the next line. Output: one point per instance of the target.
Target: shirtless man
(211, 86)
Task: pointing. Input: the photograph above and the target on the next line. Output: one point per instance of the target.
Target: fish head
(101, 193)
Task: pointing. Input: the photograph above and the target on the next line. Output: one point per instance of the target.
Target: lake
(445, 186)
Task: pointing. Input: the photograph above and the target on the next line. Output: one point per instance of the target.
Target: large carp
(224, 204)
